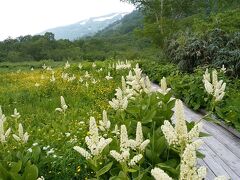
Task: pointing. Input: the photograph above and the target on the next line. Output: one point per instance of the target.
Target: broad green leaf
(104, 169)
(16, 166)
(30, 172)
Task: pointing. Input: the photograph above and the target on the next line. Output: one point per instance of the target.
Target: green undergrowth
(190, 88)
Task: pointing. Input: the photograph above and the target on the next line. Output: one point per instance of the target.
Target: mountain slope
(86, 27)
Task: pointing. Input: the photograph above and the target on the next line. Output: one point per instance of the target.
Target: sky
(23, 17)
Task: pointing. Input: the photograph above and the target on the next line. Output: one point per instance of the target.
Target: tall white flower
(36, 84)
(137, 82)
(52, 79)
(83, 152)
(159, 174)
(2, 116)
(108, 77)
(71, 78)
(94, 81)
(124, 142)
(21, 137)
(3, 135)
(126, 145)
(80, 66)
(179, 136)
(214, 87)
(139, 142)
(135, 160)
(94, 65)
(63, 105)
(80, 80)
(188, 169)
(104, 124)
(164, 89)
(223, 69)
(95, 143)
(169, 133)
(120, 157)
(67, 65)
(16, 114)
(65, 76)
(120, 102)
(49, 68)
(180, 127)
(127, 91)
(123, 65)
(87, 75)
(44, 66)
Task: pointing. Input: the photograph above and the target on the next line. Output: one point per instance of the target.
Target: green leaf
(200, 155)
(36, 153)
(202, 134)
(16, 166)
(149, 116)
(104, 169)
(3, 173)
(30, 172)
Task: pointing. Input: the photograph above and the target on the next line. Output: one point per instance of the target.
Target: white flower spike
(63, 105)
(21, 137)
(16, 114)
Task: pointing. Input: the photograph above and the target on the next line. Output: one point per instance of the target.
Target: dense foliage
(45, 138)
(189, 88)
(214, 48)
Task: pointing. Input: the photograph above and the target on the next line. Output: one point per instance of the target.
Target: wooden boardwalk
(221, 148)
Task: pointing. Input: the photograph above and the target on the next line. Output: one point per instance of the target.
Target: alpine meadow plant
(215, 88)
(21, 137)
(63, 107)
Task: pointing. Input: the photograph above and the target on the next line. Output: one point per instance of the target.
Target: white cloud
(21, 17)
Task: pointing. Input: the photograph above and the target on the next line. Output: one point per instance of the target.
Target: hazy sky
(22, 17)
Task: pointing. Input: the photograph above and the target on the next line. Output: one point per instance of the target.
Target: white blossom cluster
(63, 105)
(213, 86)
(52, 78)
(67, 65)
(159, 174)
(93, 65)
(87, 75)
(108, 77)
(21, 137)
(223, 69)
(138, 82)
(95, 143)
(179, 136)
(16, 114)
(80, 66)
(104, 124)
(133, 85)
(71, 78)
(3, 135)
(164, 89)
(120, 102)
(139, 143)
(188, 169)
(123, 65)
(127, 144)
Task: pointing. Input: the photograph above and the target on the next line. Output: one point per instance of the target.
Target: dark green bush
(215, 48)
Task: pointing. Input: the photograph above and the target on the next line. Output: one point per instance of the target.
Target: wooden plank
(225, 169)
(218, 149)
(231, 142)
(210, 173)
(211, 162)
(222, 149)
